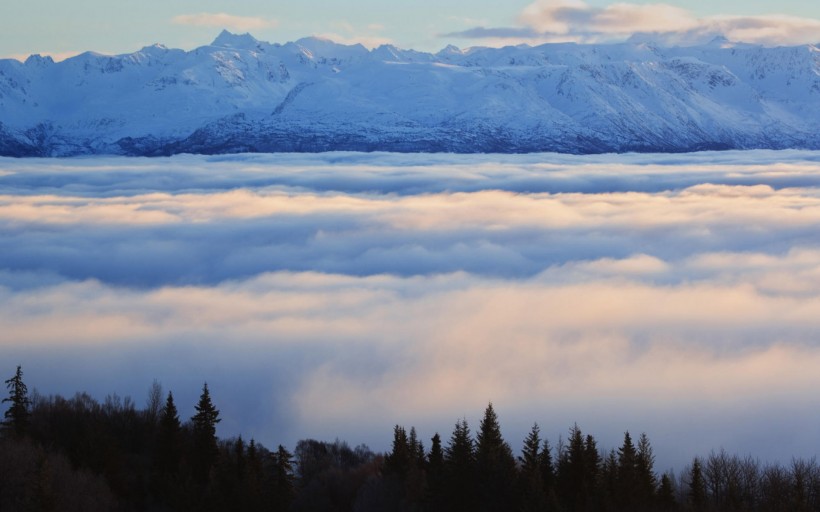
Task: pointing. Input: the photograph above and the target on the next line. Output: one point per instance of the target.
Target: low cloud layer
(546, 21)
(677, 295)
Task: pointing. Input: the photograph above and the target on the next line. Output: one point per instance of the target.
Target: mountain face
(243, 95)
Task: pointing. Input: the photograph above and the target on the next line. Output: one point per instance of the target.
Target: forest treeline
(67, 454)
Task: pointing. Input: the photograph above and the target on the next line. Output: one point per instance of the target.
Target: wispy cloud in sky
(220, 20)
(576, 21)
(344, 32)
(673, 294)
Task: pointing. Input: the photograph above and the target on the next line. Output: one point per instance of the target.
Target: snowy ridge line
(243, 95)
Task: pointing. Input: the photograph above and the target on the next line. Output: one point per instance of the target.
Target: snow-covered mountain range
(239, 94)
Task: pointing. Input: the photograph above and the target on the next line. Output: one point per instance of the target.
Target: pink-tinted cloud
(352, 292)
(576, 21)
(225, 21)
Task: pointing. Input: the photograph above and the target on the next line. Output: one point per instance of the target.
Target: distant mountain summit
(239, 94)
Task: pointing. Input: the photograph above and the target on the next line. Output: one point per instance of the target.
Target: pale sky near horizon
(65, 28)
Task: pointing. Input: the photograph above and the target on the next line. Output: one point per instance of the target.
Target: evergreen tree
(283, 480)
(415, 481)
(609, 481)
(533, 493)
(666, 495)
(205, 448)
(239, 458)
(697, 487)
(404, 478)
(168, 438)
(548, 476)
(435, 475)
(495, 464)
(647, 482)
(416, 448)
(17, 415)
(592, 465)
(576, 479)
(398, 461)
(627, 488)
(459, 470)
(530, 458)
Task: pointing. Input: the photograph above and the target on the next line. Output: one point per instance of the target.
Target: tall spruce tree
(415, 482)
(576, 473)
(399, 460)
(284, 489)
(435, 475)
(168, 438)
(609, 480)
(533, 491)
(548, 476)
(254, 483)
(17, 416)
(627, 491)
(647, 481)
(592, 463)
(459, 470)
(416, 448)
(530, 458)
(697, 487)
(496, 465)
(205, 449)
(666, 495)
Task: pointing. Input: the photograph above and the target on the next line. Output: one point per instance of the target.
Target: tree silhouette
(627, 488)
(666, 495)
(205, 449)
(697, 487)
(435, 475)
(168, 438)
(577, 472)
(459, 470)
(283, 479)
(495, 464)
(416, 448)
(398, 461)
(647, 482)
(17, 415)
(533, 491)
(548, 475)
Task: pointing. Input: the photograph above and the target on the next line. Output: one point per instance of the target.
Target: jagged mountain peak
(39, 60)
(450, 49)
(228, 39)
(156, 47)
(240, 94)
(324, 47)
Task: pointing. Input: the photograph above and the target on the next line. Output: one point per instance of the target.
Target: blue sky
(64, 28)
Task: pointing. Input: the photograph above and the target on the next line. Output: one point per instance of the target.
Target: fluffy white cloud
(224, 20)
(673, 294)
(546, 21)
(767, 30)
(379, 350)
(576, 17)
(344, 32)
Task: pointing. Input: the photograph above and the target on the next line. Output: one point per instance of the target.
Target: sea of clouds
(339, 294)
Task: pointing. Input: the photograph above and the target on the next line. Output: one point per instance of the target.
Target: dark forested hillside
(79, 454)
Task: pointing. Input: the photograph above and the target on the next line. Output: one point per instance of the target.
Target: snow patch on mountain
(241, 94)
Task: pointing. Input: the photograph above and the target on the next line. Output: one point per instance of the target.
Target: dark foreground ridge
(242, 95)
(78, 454)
